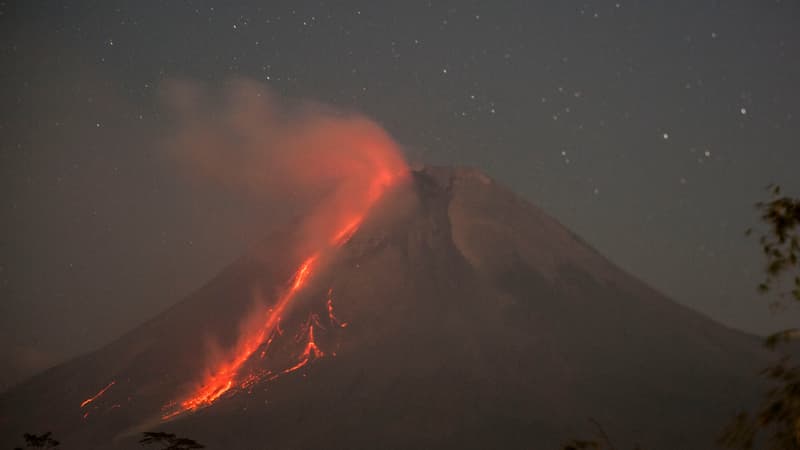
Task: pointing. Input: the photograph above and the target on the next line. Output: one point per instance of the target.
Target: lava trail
(331, 315)
(227, 374)
(98, 394)
(310, 351)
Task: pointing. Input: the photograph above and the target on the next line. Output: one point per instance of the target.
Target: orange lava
(98, 394)
(222, 379)
(346, 232)
(310, 351)
(276, 331)
(226, 375)
(331, 316)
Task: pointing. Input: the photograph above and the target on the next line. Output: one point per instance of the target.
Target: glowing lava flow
(98, 394)
(226, 375)
(311, 350)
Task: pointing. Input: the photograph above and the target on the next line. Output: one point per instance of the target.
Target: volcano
(455, 315)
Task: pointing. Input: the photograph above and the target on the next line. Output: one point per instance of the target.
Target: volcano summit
(454, 315)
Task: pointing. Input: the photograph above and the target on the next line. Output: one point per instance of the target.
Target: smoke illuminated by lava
(246, 138)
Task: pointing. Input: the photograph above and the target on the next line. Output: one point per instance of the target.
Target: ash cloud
(319, 160)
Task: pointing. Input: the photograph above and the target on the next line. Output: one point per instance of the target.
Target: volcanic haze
(456, 315)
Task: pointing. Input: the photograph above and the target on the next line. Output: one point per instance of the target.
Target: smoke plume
(334, 165)
(329, 164)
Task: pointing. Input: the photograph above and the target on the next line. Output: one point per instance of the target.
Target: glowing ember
(254, 378)
(97, 395)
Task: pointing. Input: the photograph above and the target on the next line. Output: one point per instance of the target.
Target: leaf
(774, 339)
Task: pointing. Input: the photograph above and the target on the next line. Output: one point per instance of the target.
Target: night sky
(650, 128)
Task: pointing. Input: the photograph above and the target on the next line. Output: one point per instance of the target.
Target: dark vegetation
(44, 440)
(167, 441)
(776, 422)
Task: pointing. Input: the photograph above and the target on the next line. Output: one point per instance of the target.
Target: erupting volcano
(443, 312)
(427, 308)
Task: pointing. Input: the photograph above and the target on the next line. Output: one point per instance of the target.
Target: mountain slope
(460, 317)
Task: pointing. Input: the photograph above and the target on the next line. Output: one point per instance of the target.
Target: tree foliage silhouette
(777, 420)
(44, 440)
(169, 441)
(781, 242)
